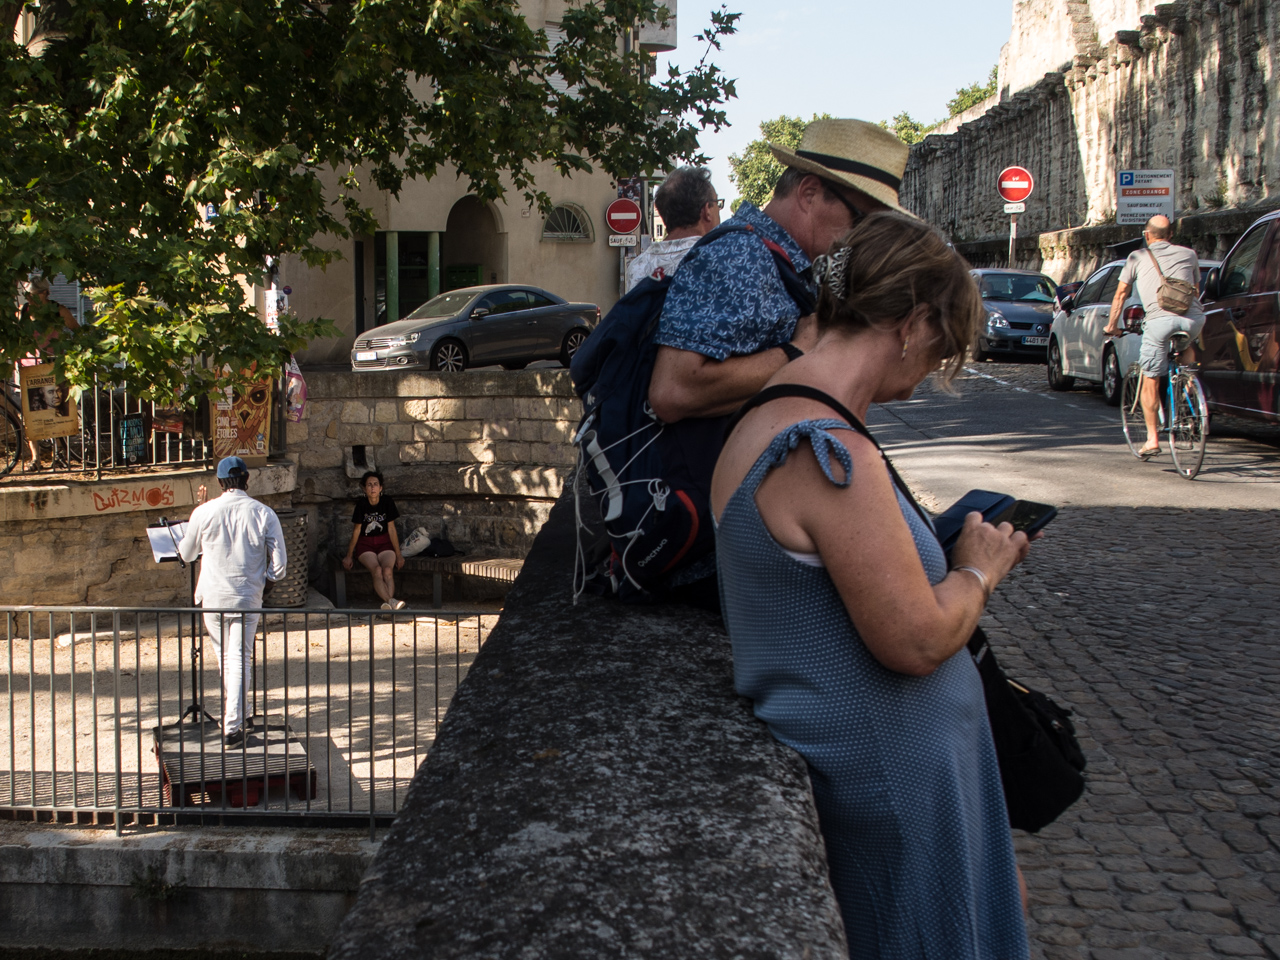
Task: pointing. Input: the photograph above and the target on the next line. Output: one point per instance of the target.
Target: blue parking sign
(1126, 178)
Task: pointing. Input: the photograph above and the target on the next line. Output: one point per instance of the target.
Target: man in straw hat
(729, 323)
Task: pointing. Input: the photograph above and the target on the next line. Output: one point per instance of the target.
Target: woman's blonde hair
(879, 271)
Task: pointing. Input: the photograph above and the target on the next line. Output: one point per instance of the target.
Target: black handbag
(1041, 763)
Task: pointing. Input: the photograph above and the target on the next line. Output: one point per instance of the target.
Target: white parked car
(1078, 350)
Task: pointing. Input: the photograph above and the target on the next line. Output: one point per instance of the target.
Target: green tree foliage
(128, 117)
(755, 171)
(906, 128)
(972, 95)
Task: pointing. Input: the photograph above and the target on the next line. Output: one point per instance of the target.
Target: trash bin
(292, 590)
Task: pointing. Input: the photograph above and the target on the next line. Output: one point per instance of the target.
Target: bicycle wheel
(10, 439)
(1189, 426)
(1135, 428)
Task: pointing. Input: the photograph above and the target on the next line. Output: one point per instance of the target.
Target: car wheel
(977, 355)
(1057, 379)
(572, 341)
(1111, 378)
(515, 364)
(448, 356)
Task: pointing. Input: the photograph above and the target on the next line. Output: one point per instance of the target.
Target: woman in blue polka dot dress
(848, 629)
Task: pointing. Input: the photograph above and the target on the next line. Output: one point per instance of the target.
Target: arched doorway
(473, 251)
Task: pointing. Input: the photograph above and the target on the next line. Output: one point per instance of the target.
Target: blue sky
(849, 59)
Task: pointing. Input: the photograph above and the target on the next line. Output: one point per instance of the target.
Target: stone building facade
(1185, 86)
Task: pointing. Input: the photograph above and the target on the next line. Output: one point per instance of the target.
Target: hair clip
(832, 270)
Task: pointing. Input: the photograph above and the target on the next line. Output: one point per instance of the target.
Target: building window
(567, 223)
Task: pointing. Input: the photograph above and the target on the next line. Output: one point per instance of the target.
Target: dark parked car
(1240, 353)
(1019, 310)
(476, 326)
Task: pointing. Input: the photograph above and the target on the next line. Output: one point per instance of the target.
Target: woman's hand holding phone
(995, 550)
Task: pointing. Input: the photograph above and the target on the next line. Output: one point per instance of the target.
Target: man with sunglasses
(689, 208)
(729, 322)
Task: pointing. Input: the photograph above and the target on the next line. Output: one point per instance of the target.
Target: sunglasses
(848, 205)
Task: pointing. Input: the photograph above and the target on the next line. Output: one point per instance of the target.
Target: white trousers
(233, 633)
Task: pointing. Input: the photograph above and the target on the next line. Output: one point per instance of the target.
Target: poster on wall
(47, 408)
(242, 423)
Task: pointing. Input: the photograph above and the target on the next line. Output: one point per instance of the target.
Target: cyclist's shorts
(1156, 334)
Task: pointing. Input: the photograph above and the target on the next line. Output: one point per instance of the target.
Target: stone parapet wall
(484, 454)
(1187, 87)
(598, 790)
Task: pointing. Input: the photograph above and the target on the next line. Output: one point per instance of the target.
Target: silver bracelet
(983, 580)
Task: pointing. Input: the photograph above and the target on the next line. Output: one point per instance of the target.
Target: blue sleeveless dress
(903, 768)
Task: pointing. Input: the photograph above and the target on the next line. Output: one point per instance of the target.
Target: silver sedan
(507, 324)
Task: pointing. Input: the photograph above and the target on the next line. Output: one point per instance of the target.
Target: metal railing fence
(119, 432)
(114, 714)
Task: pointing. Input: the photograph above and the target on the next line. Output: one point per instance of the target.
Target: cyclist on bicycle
(1166, 275)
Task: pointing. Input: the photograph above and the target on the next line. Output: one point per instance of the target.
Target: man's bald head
(1159, 227)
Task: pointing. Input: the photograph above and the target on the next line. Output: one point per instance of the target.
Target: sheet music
(165, 540)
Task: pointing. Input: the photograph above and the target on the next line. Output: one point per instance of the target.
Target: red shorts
(375, 544)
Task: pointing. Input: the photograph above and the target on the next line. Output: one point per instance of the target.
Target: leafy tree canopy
(906, 128)
(755, 171)
(972, 95)
(125, 118)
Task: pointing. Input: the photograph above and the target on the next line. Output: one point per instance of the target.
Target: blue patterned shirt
(727, 299)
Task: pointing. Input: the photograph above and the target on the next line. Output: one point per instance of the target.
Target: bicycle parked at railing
(1183, 414)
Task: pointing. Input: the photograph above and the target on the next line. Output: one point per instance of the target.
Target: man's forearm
(688, 384)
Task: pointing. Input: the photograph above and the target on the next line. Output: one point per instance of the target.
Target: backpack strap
(780, 390)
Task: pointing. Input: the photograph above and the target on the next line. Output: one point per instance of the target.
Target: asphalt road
(1152, 609)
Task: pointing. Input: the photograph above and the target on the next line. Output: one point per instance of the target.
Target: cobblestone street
(1159, 627)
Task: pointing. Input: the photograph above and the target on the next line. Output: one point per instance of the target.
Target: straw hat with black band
(852, 153)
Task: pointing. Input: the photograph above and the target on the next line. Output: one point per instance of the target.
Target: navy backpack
(651, 480)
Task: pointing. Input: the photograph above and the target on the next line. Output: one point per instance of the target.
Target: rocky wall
(86, 543)
(1187, 88)
(484, 455)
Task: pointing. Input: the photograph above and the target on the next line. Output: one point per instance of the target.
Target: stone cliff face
(1188, 88)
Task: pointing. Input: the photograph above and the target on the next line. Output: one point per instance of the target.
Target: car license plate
(367, 355)
(1035, 341)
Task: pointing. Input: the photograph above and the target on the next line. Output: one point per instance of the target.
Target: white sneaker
(397, 604)
(386, 605)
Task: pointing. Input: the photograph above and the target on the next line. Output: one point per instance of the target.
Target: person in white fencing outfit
(242, 545)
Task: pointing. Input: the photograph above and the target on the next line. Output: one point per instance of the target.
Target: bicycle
(11, 437)
(1183, 413)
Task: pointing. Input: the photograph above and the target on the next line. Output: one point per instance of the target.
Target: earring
(904, 347)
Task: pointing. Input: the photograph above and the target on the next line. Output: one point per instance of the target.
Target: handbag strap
(1156, 262)
(780, 390)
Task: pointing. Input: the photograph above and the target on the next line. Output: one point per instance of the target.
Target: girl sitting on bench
(374, 541)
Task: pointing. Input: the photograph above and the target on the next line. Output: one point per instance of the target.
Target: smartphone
(1026, 515)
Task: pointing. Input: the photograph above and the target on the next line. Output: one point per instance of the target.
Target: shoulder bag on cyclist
(1175, 296)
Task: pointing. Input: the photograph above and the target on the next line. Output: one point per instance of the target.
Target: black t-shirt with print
(374, 519)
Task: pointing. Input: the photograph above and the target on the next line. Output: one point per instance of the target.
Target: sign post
(1014, 186)
(623, 218)
(1142, 194)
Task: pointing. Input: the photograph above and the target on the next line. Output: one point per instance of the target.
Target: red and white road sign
(1015, 184)
(623, 216)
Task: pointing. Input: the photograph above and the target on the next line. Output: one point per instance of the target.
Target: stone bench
(503, 569)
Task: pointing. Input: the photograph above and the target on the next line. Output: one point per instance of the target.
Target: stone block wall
(483, 454)
(1187, 87)
(85, 543)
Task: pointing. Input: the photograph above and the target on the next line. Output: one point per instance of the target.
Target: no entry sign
(1014, 184)
(623, 216)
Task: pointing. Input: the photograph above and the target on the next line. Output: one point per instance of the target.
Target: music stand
(164, 537)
